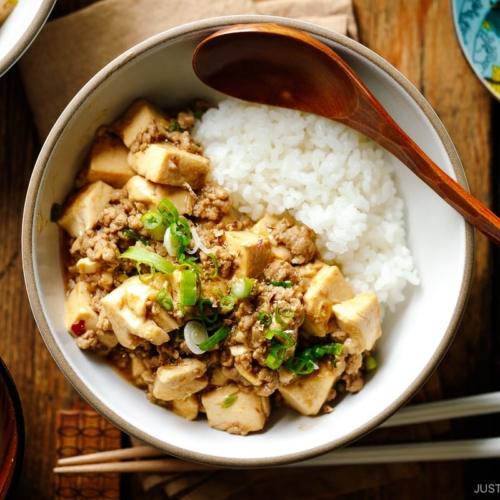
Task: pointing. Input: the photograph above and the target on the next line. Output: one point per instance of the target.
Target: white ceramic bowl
(415, 337)
(21, 28)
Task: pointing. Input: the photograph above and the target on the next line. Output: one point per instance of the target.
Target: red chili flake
(79, 328)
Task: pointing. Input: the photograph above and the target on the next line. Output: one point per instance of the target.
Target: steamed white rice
(329, 177)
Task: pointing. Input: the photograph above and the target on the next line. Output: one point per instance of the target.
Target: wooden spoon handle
(391, 137)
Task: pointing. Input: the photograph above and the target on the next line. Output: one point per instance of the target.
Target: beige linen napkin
(71, 49)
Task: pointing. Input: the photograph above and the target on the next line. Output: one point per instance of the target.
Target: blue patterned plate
(477, 23)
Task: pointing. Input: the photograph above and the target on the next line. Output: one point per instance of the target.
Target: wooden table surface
(417, 38)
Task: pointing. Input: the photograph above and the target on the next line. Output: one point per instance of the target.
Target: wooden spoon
(280, 66)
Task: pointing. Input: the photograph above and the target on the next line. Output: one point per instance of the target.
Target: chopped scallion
(153, 222)
(188, 295)
(134, 235)
(168, 210)
(370, 363)
(285, 284)
(300, 366)
(215, 264)
(219, 335)
(194, 334)
(280, 315)
(229, 400)
(209, 318)
(241, 288)
(276, 356)
(265, 318)
(289, 341)
(143, 256)
(164, 300)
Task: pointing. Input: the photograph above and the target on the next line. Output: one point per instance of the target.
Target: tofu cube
(136, 120)
(181, 380)
(327, 287)
(150, 193)
(108, 161)
(186, 408)
(359, 317)
(265, 225)
(79, 307)
(126, 310)
(6, 7)
(83, 210)
(87, 266)
(218, 378)
(166, 164)
(247, 413)
(252, 252)
(308, 393)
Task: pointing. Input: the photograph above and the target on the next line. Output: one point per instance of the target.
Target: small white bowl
(415, 337)
(21, 28)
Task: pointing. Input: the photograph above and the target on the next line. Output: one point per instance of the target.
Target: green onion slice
(188, 294)
(134, 235)
(300, 366)
(241, 288)
(194, 335)
(335, 349)
(370, 363)
(219, 335)
(153, 222)
(215, 264)
(289, 341)
(212, 318)
(143, 256)
(168, 211)
(181, 232)
(265, 318)
(164, 300)
(170, 243)
(284, 313)
(276, 356)
(226, 303)
(229, 400)
(285, 284)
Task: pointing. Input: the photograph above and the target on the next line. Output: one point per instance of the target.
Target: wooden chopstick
(112, 456)
(418, 452)
(110, 461)
(162, 465)
(467, 406)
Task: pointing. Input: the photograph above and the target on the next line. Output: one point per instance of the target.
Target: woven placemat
(78, 433)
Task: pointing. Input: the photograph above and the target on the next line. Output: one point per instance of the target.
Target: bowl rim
(12, 478)
(28, 231)
(28, 37)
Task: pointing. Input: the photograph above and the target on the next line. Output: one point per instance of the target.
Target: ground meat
(270, 297)
(270, 381)
(213, 202)
(351, 383)
(185, 119)
(353, 363)
(88, 341)
(280, 270)
(100, 247)
(224, 259)
(297, 238)
(151, 135)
